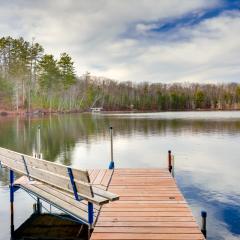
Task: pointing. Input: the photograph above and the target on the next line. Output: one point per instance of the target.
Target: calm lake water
(206, 146)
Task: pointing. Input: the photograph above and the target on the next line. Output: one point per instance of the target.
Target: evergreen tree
(49, 76)
(66, 68)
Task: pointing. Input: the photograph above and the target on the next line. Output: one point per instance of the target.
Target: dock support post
(11, 186)
(170, 161)
(90, 218)
(111, 165)
(204, 223)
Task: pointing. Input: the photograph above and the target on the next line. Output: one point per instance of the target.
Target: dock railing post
(11, 186)
(111, 165)
(204, 223)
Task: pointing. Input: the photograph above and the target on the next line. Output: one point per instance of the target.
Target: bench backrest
(51, 173)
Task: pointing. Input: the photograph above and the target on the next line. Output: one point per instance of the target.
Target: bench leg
(90, 218)
(39, 206)
(12, 201)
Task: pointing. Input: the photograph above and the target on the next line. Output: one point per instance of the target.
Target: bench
(64, 187)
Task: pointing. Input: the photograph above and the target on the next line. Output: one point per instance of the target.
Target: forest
(32, 80)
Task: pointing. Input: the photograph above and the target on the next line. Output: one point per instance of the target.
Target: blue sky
(138, 40)
(193, 18)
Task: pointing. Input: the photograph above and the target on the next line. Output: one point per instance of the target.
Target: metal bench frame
(34, 168)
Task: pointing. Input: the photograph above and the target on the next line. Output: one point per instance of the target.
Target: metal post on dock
(37, 207)
(111, 165)
(39, 155)
(170, 161)
(204, 223)
(11, 186)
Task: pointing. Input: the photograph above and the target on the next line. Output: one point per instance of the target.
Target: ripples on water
(205, 144)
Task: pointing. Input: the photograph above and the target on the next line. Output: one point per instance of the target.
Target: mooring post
(204, 223)
(11, 186)
(111, 165)
(169, 161)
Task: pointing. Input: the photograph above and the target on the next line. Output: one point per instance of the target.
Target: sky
(135, 40)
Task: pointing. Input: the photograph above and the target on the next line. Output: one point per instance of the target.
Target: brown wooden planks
(146, 214)
(150, 207)
(99, 177)
(106, 179)
(149, 236)
(146, 224)
(94, 175)
(186, 230)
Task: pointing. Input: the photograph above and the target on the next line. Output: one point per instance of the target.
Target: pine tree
(66, 68)
(49, 76)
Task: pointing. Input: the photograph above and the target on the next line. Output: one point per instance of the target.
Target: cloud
(145, 28)
(119, 39)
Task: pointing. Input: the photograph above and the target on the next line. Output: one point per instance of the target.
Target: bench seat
(69, 189)
(57, 198)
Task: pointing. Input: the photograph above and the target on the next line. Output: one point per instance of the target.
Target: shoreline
(22, 113)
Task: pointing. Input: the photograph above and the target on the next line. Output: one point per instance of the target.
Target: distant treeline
(30, 80)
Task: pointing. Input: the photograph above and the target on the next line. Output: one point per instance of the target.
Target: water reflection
(206, 148)
(223, 209)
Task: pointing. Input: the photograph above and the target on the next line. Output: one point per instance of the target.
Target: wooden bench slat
(56, 201)
(83, 204)
(23, 181)
(57, 175)
(56, 168)
(110, 196)
(55, 180)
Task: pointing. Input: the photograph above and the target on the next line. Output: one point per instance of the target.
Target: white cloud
(145, 28)
(114, 39)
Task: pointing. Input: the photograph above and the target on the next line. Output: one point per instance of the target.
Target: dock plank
(149, 236)
(98, 179)
(150, 207)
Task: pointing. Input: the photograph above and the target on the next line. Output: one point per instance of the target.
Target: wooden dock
(150, 207)
(119, 204)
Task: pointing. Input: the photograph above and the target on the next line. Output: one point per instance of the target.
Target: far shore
(24, 113)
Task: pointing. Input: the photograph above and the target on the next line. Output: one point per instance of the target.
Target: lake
(206, 146)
